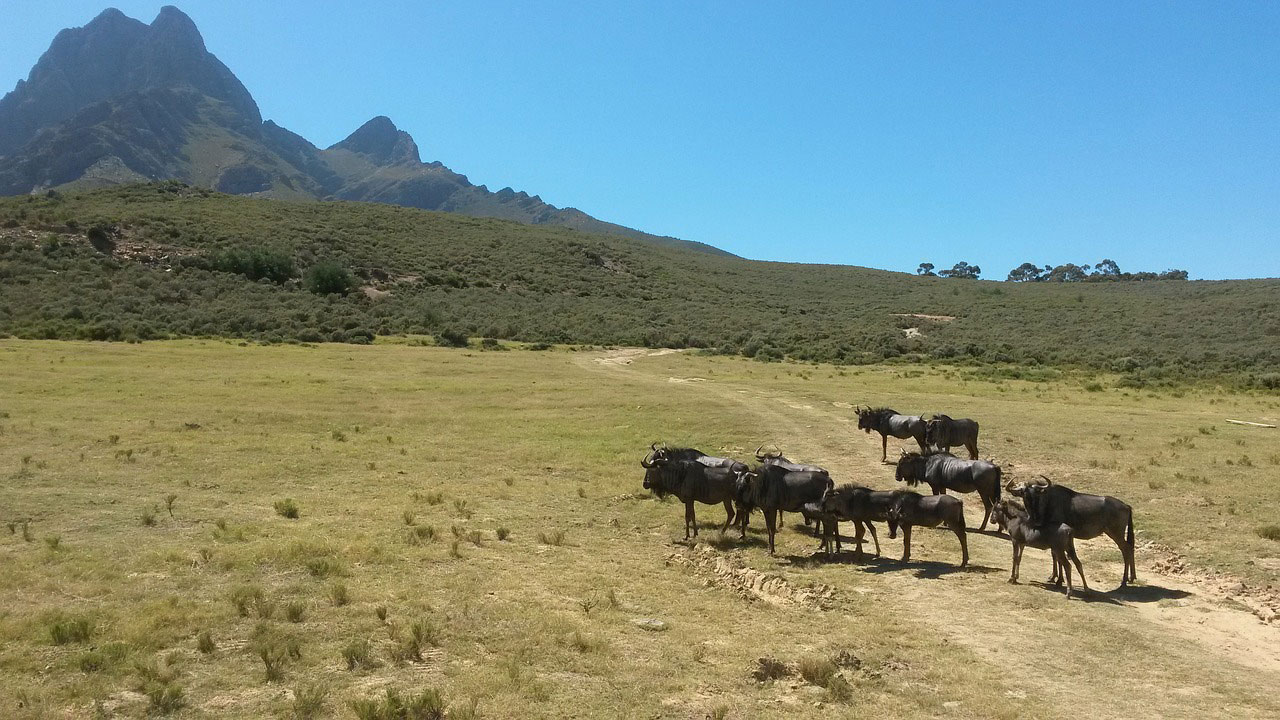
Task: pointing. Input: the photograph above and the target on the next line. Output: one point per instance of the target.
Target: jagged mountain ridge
(120, 101)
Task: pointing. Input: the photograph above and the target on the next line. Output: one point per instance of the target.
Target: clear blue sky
(878, 134)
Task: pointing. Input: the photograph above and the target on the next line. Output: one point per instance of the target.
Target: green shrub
(287, 508)
(452, 337)
(329, 278)
(1270, 532)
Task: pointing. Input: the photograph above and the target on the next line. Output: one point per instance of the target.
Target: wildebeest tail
(1128, 532)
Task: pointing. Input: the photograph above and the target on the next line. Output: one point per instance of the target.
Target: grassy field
(473, 522)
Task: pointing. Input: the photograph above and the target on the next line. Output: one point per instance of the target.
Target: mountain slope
(175, 260)
(119, 101)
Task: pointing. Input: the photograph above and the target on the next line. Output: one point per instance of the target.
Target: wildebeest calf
(910, 509)
(862, 506)
(1056, 538)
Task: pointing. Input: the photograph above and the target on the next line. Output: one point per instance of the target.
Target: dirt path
(1181, 625)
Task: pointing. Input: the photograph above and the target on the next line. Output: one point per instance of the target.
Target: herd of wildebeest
(1050, 516)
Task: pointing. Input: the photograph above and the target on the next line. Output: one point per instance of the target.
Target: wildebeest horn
(1047, 481)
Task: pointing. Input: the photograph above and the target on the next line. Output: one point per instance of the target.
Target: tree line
(1106, 270)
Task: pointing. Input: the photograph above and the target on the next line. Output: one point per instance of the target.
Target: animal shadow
(1145, 593)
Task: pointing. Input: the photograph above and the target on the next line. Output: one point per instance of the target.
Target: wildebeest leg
(741, 521)
(690, 520)
(964, 544)
(906, 543)
(884, 448)
(872, 529)
(1060, 557)
(972, 447)
(1133, 565)
(1017, 560)
(1126, 552)
(728, 508)
(986, 510)
(1071, 553)
(924, 447)
(770, 523)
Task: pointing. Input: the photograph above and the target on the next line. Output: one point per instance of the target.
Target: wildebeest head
(937, 429)
(910, 468)
(655, 464)
(1004, 511)
(901, 510)
(871, 418)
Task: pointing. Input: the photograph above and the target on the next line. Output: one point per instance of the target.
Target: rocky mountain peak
(382, 142)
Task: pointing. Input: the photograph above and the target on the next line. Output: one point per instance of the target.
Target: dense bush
(329, 278)
(255, 263)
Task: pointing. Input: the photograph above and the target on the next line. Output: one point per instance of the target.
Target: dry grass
(503, 624)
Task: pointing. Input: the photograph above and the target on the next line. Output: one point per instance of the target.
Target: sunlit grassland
(373, 443)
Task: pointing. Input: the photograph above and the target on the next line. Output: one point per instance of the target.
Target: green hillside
(161, 260)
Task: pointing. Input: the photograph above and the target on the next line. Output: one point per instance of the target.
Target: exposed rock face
(382, 143)
(119, 101)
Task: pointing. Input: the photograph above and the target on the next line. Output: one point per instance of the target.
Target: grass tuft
(358, 655)
(66, 630)
(427, 705)
(309, 701)
(295, 611)
(555, 538)
(338, 595)
(287, 508)
(205, 643)
(1269, 532)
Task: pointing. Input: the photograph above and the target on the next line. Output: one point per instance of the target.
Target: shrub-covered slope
(159, 260)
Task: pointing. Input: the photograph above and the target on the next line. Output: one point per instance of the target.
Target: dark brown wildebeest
(888, 422)
(1056, 538)
(1088, 516)
(692, 482)
(942, 471)
(911, 509)
(773, 489)
(861, 505)
(776, 458)
(944, 433)
(828, 523)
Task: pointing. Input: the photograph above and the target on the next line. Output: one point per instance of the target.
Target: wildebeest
(1088, 515)
(943, 433)
(1057, 538)
(888, 422)
(773, 488)
(909, 509)
(767, 458)
(942, 471)
(658, 454)
(672, 471)
(827, 523)
(777, 459)
(862, 506)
